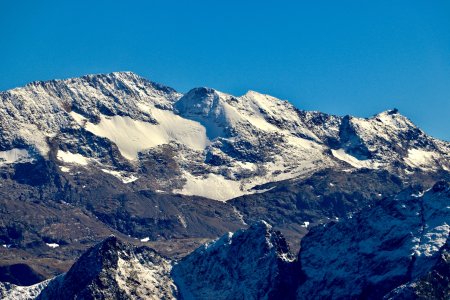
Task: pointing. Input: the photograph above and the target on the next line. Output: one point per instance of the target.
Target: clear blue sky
(343, 57)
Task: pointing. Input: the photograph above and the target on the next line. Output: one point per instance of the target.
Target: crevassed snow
(133, 136)
(14, 155)
(72, 158)
(353, 161)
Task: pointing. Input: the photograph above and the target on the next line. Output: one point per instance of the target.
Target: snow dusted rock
(112, 122)
(388, 140)
(226, 115)
(254, 138)
(249, 264)
(398, 249)
(433, 285)
(10, 291)
(114, 270)
(399, 240)
(38, 111)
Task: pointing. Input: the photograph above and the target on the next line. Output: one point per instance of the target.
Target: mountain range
(86, 158)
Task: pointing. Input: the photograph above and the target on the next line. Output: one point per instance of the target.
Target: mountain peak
(393, 113)
(253, 93)
(208, 107)
(114, 270)
(258, 257)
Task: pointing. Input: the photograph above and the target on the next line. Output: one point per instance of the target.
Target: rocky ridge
(398, 249)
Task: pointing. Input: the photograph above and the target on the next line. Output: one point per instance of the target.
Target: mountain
(117, 123)
(116, 270)
(397, 249)
(250, 264)
(116, 154)
(395, 243)
(110, 270)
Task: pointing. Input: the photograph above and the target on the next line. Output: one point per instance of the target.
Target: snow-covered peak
(199, 101)
(390, 137)
(32, 114)
(259, 233)
(392, 118)
(272, 114)
(210, 108)
(118, 93)
(226, 115)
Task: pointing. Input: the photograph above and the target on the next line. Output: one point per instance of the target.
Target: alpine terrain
(116, 187)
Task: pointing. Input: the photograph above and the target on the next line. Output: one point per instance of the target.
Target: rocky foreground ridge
(397, 249)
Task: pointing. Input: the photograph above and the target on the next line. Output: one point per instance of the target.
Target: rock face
(399, 240)
(249, 264)
(433, 285)
(397, 249)
(114, 270)
(294, 206)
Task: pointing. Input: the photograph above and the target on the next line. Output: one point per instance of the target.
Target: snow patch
(240, 215)
(353, 161)
(212, 186)
(123, 176)
(14, 156)
(420, 158)
(133, 136)
(72, 158)
(78, 118)
(64, 169)
(52, 245)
